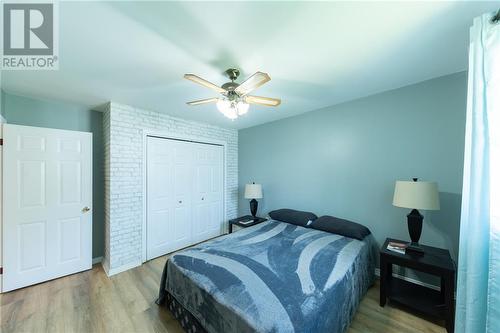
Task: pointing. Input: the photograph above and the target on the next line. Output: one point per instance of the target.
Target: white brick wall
(123, 138)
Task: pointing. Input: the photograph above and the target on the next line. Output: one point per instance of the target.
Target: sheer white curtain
(478, 288)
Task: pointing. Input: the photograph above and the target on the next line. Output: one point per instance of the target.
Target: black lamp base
(415, 220)
(415, 248)
(253, 207)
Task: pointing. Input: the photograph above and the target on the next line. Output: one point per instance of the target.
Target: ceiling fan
(235, 100)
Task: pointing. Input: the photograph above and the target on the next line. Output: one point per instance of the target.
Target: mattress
(272, 277)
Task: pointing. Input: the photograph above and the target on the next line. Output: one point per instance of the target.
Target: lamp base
(414, 248)
(415, 221)
(253, 207)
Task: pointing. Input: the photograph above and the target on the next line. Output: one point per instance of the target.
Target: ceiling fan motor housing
(233, 73)
(230, 86)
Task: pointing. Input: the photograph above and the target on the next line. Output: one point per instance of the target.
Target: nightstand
(435, 261)
(238, 221)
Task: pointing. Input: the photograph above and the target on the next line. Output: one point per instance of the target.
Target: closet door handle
(202, 198)
(180, 201)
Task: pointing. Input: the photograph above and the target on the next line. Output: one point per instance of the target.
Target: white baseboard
(105, 266)
(96, 260)
(113, 271)
(402, 277)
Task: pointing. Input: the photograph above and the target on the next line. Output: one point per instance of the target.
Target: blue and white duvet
(273, 277)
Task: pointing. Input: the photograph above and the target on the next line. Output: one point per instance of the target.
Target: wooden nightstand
(435, 261)
(238, 221)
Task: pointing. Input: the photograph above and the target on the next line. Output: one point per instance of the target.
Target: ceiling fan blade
(205, 83)
(203, 101)
(252, 83)
(267, 101)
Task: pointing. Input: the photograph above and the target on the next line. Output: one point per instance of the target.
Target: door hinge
(1, 270)
(1, 142)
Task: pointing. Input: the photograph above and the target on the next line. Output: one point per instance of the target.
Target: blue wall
(343, 160)
(54, 114)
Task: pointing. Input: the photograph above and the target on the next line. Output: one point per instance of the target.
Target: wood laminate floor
(92, 302)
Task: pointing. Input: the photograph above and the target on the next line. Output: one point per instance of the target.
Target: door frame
(186, 138)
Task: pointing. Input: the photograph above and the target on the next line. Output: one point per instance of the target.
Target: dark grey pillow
(296, 217)
(341, 227)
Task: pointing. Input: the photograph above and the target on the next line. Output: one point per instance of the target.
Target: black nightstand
(237, 221)
(435, 261)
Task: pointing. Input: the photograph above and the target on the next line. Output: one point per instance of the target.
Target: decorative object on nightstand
(245, 221)
(431, 302)
(416, 195)
(253, 191)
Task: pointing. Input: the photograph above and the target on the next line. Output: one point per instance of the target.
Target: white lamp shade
(253, 191)
(416, 195)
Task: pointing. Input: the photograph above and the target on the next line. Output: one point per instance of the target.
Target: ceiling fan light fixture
(227, 108)
(232, 109)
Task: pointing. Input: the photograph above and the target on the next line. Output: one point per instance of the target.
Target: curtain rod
(496, 18)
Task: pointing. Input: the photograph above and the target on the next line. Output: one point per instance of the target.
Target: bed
(272, 277)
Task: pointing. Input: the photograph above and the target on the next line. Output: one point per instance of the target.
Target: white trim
(1, 201)
(144, 238)
(105, 266)
(408, 279)
(170, 136)
(96, 260)
(117, 270)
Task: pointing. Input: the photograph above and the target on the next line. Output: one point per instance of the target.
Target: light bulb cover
(223, 105)
(242, 108)
(231, 113)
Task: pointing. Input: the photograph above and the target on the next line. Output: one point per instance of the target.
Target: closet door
(169, 184)
(184, 194)
(208, 192)
(182, 184)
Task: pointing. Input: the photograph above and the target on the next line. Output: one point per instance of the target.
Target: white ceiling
(318, 54)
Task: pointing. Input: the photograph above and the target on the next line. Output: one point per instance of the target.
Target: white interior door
(47, 200)
(184, 184)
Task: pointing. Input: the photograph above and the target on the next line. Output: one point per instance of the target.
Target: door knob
(85, 209)
(202, 198)
(180, 201)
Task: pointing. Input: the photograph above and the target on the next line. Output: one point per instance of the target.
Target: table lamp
(416, 195)
(253, 191)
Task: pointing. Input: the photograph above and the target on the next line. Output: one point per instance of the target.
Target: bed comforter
(272, 277)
